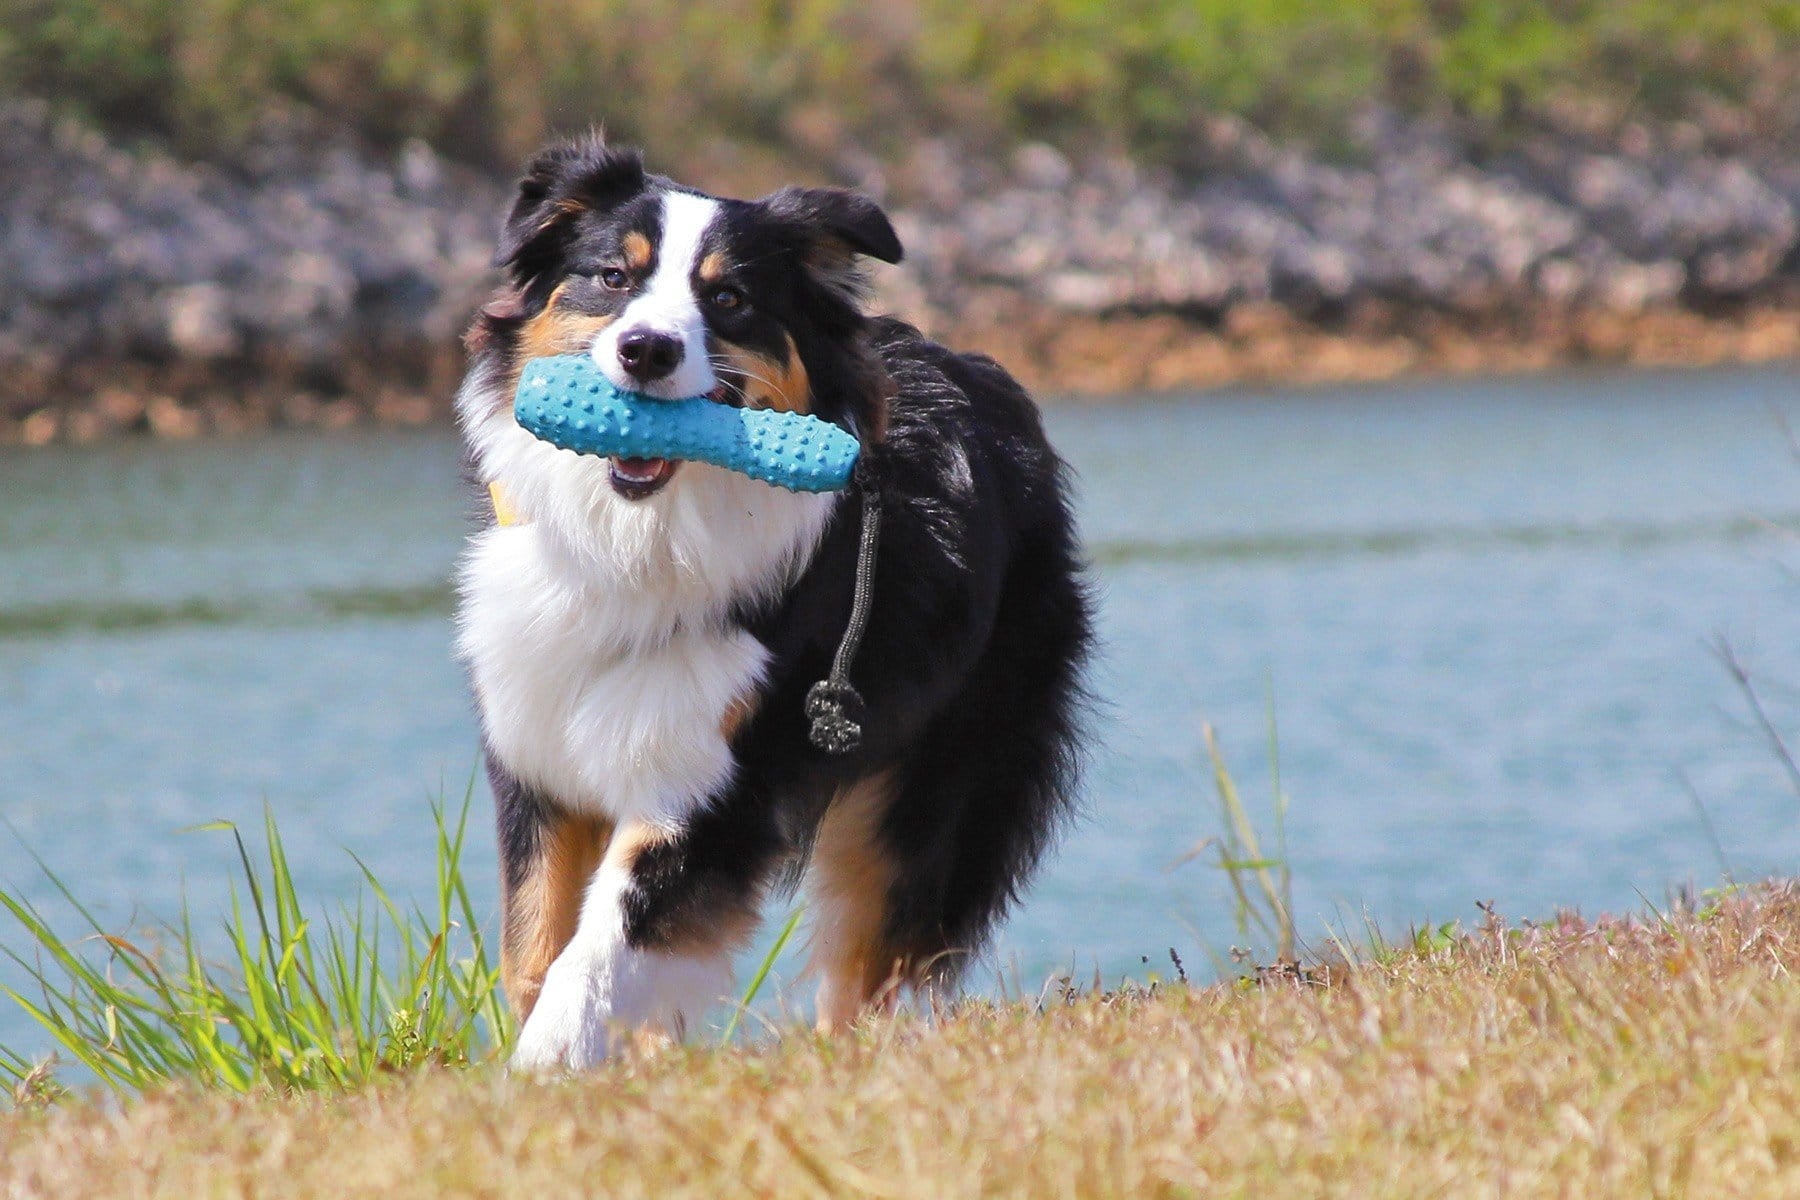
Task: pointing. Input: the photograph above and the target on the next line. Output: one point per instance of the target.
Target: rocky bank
(312, 281)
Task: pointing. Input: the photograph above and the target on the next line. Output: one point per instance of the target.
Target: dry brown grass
(1640, 1058)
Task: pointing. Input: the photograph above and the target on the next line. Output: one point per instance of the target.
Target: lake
(1472, 620)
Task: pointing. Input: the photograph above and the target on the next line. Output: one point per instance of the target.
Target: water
(1479, 614)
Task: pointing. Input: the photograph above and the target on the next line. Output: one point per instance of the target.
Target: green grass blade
(762, 974)
(297, 1001)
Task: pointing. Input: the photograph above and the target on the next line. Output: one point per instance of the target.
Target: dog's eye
(613, 278)
(727, 298)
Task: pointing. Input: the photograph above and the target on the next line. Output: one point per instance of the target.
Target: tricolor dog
(641, 635)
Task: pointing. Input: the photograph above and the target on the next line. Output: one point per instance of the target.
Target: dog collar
(504, 512)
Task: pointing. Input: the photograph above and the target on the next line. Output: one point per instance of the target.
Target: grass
(1262, 885)
(1644, 1056)
(301, 1002)
(488, 80)
(1648, 1057)
(298, 1003)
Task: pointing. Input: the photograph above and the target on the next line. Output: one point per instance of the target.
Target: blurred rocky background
(218, 216)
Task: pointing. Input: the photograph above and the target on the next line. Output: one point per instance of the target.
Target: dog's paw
(547, 1053)
(567, 1029)
(548, 1056)
(602, 999)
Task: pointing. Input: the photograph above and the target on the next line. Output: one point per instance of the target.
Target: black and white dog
(641, 634)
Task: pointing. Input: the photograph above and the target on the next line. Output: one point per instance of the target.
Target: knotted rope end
(835, 707)
(830, 705)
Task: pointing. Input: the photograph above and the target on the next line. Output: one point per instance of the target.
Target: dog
(641, 635)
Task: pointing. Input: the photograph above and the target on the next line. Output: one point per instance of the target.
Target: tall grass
(296, 1000)
(293, 1001)
(1262, 881)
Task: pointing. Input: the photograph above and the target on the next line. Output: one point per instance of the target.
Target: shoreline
(1078, 360)
(1063, 359)
(312, 280)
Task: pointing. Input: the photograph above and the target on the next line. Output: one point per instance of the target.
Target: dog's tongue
(641, 470)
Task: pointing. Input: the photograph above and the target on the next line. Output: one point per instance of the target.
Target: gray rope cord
(831, 701)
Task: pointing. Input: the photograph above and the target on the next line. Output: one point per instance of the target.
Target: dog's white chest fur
(597, 632)
(622, 727)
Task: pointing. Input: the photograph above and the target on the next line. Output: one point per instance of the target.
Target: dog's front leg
(652, 951)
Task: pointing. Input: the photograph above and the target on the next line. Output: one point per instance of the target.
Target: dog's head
(676, 293)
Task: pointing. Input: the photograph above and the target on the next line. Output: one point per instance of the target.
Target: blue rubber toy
(567, 401)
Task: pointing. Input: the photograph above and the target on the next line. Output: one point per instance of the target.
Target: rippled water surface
(1477, 615)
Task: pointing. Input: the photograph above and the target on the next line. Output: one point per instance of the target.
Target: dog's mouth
(641, 478)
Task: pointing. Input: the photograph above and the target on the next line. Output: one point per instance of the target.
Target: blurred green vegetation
(486, 80)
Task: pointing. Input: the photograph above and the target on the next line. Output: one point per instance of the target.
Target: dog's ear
(832, 227)
(562, 182)
(850, 219)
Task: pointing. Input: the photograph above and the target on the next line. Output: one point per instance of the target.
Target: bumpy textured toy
(568, 402)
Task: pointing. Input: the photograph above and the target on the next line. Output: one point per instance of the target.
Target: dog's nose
(649, 356)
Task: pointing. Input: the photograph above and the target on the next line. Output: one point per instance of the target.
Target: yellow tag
(504, 512)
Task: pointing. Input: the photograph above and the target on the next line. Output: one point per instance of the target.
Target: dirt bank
(310, 281)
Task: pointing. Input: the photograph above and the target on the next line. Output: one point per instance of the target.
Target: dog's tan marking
(629, 843)
(555, 330)
(541, 913)
(737, 715)
(852, 879)
(782, 385)
(559, 330)
(563, 210)
(719, 932)
(880, 408)
(713, 267)
(637, 250)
